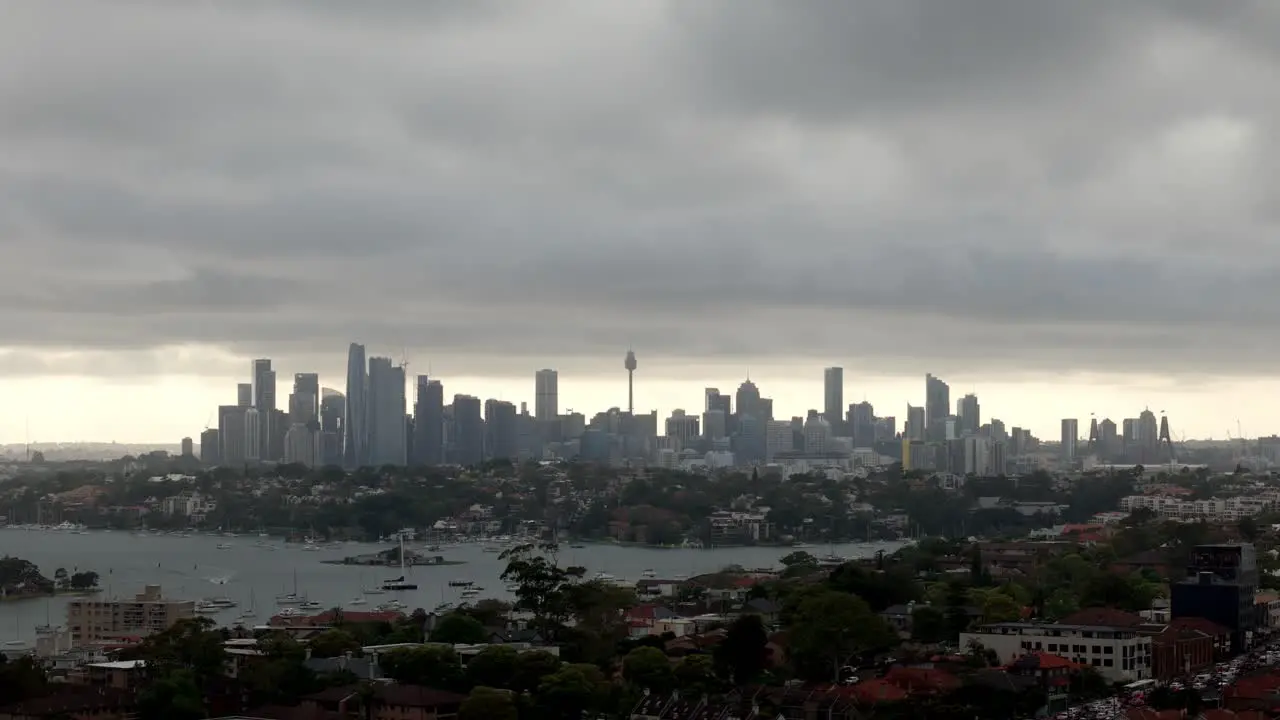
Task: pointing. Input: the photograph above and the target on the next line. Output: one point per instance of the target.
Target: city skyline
(1065, 209)
(589, 394)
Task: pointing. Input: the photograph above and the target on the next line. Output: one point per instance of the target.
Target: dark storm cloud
(1008, 183)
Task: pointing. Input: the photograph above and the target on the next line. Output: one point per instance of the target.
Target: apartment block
(94, 620)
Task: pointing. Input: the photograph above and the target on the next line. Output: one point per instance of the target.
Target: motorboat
(310, 605)
(374, 591)
(357, 601)
(290, 599)
(649, 574)
(204, 607)
(400, 583)
(223, 602)
(461, 583)
(225, 546)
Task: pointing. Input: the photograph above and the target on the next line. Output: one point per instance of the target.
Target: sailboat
(292, 598)
(250, 611)
(400, 583)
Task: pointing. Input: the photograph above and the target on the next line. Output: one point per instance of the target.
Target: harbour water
(259, 569)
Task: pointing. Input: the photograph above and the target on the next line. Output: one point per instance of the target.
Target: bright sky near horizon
(1064, 207)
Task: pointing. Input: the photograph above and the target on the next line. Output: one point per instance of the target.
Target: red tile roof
(1044, 661)
(1208, 627)
(877, 691)
(927, 679)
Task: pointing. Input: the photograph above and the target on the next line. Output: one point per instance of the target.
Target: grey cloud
(1006, 184)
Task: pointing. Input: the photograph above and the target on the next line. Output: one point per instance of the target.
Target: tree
(21, 679)
(488, 704)
(799, 563)
(648, 668)
(744, 652)
(494, 667)
(84, 580)
(542, 586)
(174, 696)
(190, 644)
(531, 668)
(571, 691)
(833, 627)
(999, 608)
(1248, 528)
(333, 643)
(458, 629)
(928, 625)
(695, 676)
(432, 665)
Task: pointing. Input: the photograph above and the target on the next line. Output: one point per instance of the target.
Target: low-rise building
(1118, 654)
(95, 620)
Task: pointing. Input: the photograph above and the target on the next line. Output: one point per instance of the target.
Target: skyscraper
(232, 450)
(244, 394)
(264, 401)
(833, 398)
(333, 409)
(969, 412)
(862, 424)
(428, 422)
(304, 403)
(1070, 438)
(356, 429)
(468, 430)
(386, 406)
(916, 428)
(501, 432)
(546, 395)
(937, 407)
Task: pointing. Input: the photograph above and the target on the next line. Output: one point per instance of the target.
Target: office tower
(630, 364)
(210, 447)
(937, 407)
(1148, 436)
(355, 450)
(714, 424)
(231, 435)
(1129, 439)
(244, 394)
(833, 399)
(1070, 438)
(886, 428)
(1108, 439)
(817, 434)
(1220, 586)
(253, 434)
(264, 401)
(500, 430)
(861, 424)
(916, 428)
(304, 403)
(683, 428)
(428, 422)
(333, 409)
(302, 444)
(468, 430)
(188, 447)
(969, 413)
(386, 406)
(546, 395)
(779, 439)
(977, 456)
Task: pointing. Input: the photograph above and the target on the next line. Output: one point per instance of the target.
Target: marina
(288, 578)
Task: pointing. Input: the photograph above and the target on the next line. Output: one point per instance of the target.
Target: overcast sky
(1068, 207)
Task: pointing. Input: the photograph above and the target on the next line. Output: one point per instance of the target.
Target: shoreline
(56, 593)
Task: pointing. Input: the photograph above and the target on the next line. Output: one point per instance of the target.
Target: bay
(194, 567)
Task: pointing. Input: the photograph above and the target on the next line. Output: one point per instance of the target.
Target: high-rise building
(428, 422)
(188, 447)
(468, 430)
(862, 424)
(683, 428)
(817, 434)
(1220, 586)
(1108, 439)
(244, 394)
(232, 449)
(355, 452)
(253, 434)
(937, 408)
(264, 401)
(386, 413)
(833, 398)
(1070, 438)
(546, 395)
(500, 430)
(917, 428)
(210, 447)
(333, 410)
(714, 424)
(969, 413)
(302, 444)
(304, 403)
